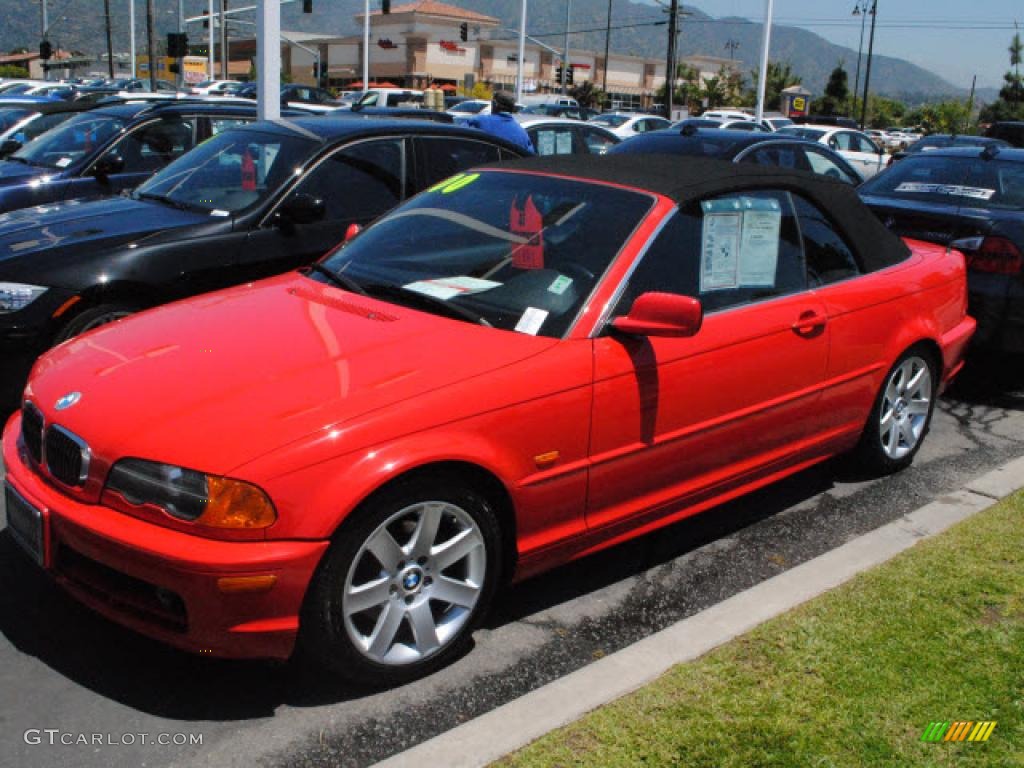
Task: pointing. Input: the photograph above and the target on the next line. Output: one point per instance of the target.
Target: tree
(587, 94)
(12, 70)
(778, 77)
(837, 92)
(687, 90)
(1010, 104)
(712, 93)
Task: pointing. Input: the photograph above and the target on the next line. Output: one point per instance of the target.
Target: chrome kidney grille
(54, 450)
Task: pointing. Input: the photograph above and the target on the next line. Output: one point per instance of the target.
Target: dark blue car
(973, 200)
(109, 149)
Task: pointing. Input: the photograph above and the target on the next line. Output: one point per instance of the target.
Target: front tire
(404, 583)
(91, 318)
(902, 413)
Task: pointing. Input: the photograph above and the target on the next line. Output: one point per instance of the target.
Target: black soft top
(686, 179)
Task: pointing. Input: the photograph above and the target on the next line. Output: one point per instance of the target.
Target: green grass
(852, 678)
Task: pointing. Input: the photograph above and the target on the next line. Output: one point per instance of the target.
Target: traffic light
(177, 44)
(307, 6)
(558, 73)
(463, 31)
(174, 68)
(206, 19)
(568, 76)
(385, 7)
(45, 50)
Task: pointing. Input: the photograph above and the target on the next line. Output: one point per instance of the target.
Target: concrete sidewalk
(513, 725)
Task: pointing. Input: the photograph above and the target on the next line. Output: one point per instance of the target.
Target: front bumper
(164, 583)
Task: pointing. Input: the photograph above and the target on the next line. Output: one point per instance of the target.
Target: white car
(628, 124)
(211, 87)
(855, 147)
(727, 115)
(470, 108)
(565, 136)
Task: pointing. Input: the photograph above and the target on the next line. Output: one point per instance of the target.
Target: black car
(106, 150)
(21, 122)
(250, 202)
(743, 147)
(944, 141)
(973, 200)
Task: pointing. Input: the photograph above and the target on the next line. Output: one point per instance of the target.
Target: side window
(559, 140)
(598, 142)
(220, 124)
(841, 141)
(865, 144)
(439, 158)
(823, 164)
(726, 251)
(829, 258)
(779, 156)
(360, 182)
(151, 147)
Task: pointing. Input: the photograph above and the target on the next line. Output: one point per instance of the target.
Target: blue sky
(954, 40)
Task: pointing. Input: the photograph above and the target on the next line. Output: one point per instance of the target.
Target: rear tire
(902, 413)
(404, 583)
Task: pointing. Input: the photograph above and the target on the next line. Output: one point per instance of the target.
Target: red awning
(359, 84)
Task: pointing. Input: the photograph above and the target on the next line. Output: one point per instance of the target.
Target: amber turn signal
(234, 504)
(235, 584)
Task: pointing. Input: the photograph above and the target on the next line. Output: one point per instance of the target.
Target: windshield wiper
(339, 279)
(169, 201)
(408, 296)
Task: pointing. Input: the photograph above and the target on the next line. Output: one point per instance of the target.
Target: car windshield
(965, 181)
(469, 107)
(231, 172)
(613, 121)
(10, 116)
(70, 141)
(38, 125)
(516, 251)
(696, 145)
(804, 133)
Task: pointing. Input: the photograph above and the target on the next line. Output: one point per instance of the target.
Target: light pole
(670, 64)
(765, 43)
(565, 52)
(607, 41)
(867, 70)
(131, 41)
(522, 53)
(861, 9)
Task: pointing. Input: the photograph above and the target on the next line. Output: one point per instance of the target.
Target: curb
(511, 726)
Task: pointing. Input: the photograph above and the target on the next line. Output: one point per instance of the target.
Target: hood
(108, 222)
(13, 173)
(214, 382)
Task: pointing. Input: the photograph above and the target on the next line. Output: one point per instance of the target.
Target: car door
(819, 161)
(676, 420)
(355, 184)
(850, 146)
(555, 139)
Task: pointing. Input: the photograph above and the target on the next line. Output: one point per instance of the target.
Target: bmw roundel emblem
(68, 400)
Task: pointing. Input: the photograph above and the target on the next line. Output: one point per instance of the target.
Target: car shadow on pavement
(992, 380)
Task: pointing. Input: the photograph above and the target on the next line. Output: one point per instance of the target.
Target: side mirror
(352, 230)
(661, 314)
(302, 209)
(108, 165)
(9, 147)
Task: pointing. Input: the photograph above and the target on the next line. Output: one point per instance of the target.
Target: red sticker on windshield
(527, 222)
(248, 172)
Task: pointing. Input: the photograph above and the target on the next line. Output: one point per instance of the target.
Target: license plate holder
(25, 523)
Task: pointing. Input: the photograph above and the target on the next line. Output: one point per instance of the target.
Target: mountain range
(76, 25)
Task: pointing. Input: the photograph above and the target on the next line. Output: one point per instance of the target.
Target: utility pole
(522, 53)
(565, 51)
(223, 39)
(670, 63)
(366, 46)
(970, 104)
(211, 40)
(44, 25)
(150, 51)
(607, 42)
(110, 44)
(867, 70)
(131, 41)
(860, 9)
(766, 40)
(732, 45)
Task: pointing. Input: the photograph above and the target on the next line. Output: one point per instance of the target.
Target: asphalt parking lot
(64, 669)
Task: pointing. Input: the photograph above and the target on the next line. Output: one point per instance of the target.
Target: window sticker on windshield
(64, 162)
(455, 183)
(532, 320)
(450, 287)
(560, 285)
(527, 222)
(955, 190)
(740, 245)
(545, 143)
(563, 143)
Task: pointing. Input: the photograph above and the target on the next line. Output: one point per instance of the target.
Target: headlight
(15, 296)
(219, 502)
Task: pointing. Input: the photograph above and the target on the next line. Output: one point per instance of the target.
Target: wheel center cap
(901, 408)
(412, 579)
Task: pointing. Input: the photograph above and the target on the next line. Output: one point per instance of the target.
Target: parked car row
(485, 366)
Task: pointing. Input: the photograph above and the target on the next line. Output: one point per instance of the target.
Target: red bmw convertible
(520, 366)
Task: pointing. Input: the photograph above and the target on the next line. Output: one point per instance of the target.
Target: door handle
(809, 323)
